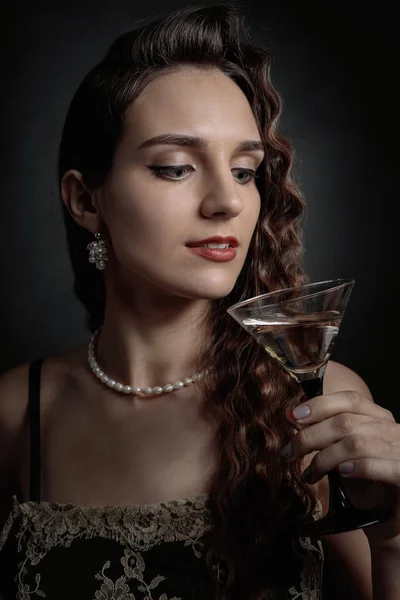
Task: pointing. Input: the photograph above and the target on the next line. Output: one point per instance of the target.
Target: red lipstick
(215, 254)
(215, 239)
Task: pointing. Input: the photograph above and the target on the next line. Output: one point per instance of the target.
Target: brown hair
(257, 499)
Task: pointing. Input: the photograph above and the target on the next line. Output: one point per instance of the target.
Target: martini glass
(298, 327)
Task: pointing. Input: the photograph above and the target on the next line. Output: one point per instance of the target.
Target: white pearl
(187, 381)
(147, 390)
(195, 378)
(119, 387)
(178, 385)
(112, 383)
(127, 389)
(168, 387)
(136, 390)
(157, 389)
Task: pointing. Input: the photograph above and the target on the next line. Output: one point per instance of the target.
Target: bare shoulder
(339, 378)
(13, 407)
(14, 385)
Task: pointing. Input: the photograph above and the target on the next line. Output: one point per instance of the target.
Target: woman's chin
(209, 292)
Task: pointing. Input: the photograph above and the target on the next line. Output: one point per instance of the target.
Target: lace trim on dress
(139, 527)
(45, 525)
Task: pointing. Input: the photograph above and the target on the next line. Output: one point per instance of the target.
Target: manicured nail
(301, 412)
(287, 451)
(306, 475)
(346, 467)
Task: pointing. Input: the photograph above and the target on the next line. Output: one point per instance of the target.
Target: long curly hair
(257, 500)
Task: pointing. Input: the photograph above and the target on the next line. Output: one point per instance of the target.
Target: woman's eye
(174, 173)
(244, 175)
(179, 172)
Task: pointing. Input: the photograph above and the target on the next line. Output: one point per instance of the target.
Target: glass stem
(312, 387)
(337, 497)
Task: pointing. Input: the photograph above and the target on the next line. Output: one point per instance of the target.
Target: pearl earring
(98, 252)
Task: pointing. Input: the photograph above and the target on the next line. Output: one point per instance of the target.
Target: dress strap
(35, 368)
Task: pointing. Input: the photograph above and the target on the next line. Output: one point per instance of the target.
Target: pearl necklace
(127, 389)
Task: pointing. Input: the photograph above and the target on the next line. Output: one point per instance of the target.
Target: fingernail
(301, 412)
(346, 467)
(306, 475)
(287, 450)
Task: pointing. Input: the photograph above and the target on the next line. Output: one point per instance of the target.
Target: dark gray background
(335, 64)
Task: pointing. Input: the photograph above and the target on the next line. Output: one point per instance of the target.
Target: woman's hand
(361, 439)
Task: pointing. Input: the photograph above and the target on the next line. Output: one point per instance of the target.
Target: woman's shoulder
(13, 407)
(339, 378)
(14, 386)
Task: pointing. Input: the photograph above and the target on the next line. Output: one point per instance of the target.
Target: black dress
(136, 552)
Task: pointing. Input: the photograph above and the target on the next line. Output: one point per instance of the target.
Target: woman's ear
(80, 201)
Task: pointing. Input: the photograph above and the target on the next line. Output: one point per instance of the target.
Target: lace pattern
(42, 526)
(139, 527)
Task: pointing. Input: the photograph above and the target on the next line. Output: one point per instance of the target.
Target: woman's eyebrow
(176, 139)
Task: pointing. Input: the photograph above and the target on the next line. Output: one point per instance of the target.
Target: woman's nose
(222, 198)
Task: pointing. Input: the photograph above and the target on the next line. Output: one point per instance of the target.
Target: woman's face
(162, 195)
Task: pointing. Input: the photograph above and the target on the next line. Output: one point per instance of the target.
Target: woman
(149, 464)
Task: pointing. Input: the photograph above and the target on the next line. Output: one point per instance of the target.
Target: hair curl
(257, 500)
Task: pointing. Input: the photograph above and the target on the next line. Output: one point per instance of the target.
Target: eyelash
(159, 171)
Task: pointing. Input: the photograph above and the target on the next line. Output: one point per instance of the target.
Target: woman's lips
(215, 239)
(215, 254)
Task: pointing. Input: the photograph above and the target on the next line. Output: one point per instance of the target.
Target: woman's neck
(153, 342)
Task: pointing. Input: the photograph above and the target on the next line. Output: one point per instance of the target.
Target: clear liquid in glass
(301, 343)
